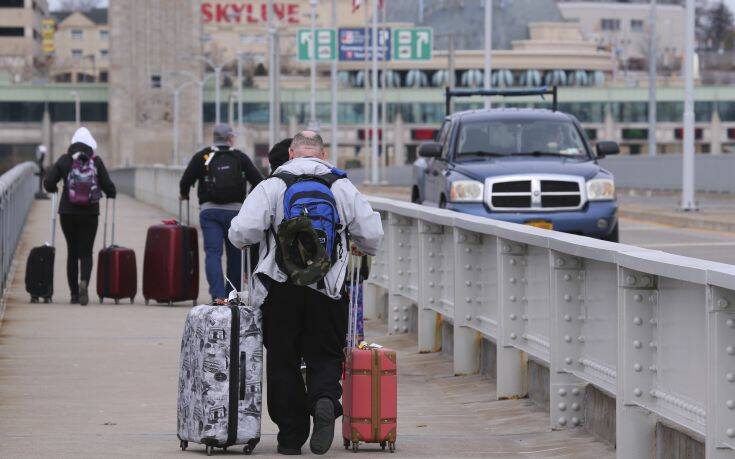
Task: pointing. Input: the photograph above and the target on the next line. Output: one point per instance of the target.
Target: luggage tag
(236, 297)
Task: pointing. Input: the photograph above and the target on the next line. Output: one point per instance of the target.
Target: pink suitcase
(370, 386)
(370, 398)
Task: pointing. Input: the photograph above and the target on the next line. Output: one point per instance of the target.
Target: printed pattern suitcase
(171, 264)
(370, 398)
(220, 379)
(117, 274)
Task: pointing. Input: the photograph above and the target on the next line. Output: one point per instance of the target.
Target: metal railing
(17, 187)
(654, 330)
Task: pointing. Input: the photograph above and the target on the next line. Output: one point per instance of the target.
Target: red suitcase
(117, 272)
(370, 391)
(171, 263)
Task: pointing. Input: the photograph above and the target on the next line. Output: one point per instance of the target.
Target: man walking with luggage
(222, 174)
(304, 213)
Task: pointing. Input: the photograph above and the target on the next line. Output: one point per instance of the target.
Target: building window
(76, 53)
(104, 33)
(77, 34)
(104, 53)
(155, 81)
(636, 25)
(610, 24)
(12, 32)
(11, 3)
(104, 77)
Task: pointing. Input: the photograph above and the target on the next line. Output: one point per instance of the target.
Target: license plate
(540, 224)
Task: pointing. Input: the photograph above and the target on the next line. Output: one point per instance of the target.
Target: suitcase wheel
(34, 299)
(392, 447)
(132, 299)
(247, 450)
(47, 299)
(210, 450)
(194, 303)
(346, 443)
(183, 444)
(354, 447)
(383, 444)
(117, 300)
(102, 300)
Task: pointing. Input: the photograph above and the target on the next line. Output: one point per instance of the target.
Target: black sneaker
(289, 451)
(322, 434)
(74, 299)
(83, 296)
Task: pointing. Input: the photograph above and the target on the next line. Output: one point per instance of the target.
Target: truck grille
(535, 194)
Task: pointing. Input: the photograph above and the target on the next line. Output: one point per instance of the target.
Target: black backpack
(224, 177)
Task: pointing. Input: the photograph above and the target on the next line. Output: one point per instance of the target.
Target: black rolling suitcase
(40, 265)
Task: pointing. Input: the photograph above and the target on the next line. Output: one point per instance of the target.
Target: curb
(676, 220)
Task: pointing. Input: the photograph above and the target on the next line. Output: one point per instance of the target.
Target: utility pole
(217, 84)
(374, 159)
(177, 93)
(366, 97)
(240, 131)
(313, 123)
(488, 47)
(335, 118)
(652, 80)
(383, 102)
(271, 77)
(687, 197)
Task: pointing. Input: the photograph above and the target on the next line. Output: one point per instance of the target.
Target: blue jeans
(215, 223)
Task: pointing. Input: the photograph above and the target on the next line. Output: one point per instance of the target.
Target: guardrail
(17, 187)
(654, 330)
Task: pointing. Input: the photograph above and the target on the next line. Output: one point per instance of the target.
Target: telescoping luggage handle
(104, 230)
(245, 263)
(188, 213)
(54, 197)
(355, 281)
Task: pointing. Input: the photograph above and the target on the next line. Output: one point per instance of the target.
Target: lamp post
(271, 76)
(218, 83)
(313, 123)
(374, 179)
(488, 48)
(652, 77)
(687, 188)
(200, 82)
(335, 118)
(176, 92)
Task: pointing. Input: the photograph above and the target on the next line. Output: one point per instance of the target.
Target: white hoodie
(263, 209)
(84, 136)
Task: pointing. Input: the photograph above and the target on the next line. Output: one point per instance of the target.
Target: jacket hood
(84, 136)
(306, 166)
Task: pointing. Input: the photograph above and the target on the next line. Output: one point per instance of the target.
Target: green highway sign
(414, 44)
(325, 48)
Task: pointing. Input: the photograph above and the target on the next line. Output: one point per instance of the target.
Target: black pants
(301, 322)
(79, 232)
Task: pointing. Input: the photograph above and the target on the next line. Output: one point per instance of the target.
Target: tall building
(20, 37)
(82, 46)
(151, 40)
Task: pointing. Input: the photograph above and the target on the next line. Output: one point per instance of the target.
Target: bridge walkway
(86, 381)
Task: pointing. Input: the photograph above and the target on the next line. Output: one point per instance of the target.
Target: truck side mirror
(607, 148)
(430, 150)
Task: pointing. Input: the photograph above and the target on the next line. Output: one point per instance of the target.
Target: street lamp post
(488, 48)
(313, 124)
(176, 92)
(217, 84)
(374, 134)
(77, 108)
(271, 77)
(335, 119)
(687, 197)
(200, 82)
(652, 72)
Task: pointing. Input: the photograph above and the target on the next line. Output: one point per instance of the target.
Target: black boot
(322, 435)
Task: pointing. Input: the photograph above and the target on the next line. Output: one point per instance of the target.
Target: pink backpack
(82, 183)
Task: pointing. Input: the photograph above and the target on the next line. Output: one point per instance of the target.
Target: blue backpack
(311, 196)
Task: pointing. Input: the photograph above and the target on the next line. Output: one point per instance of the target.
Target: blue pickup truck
(529, 166)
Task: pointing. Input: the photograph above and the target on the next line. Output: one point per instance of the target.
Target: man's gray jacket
(263, 210)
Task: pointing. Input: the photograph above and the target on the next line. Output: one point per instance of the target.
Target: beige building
(82, 46)
(20, 37)
(623, 28)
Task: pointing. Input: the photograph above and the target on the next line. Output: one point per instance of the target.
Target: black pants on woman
(79, 232)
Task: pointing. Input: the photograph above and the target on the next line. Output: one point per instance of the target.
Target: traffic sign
(414, 44)
(353, 43)
(325, 46)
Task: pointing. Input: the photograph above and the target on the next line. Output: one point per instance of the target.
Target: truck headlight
(601, 190)
(466, 191)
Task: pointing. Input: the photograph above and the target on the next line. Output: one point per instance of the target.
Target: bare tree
(78, 5)
(720, 27)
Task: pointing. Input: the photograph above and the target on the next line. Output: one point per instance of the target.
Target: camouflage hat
(302, 256)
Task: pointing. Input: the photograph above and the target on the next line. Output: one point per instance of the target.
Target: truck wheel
(415, 196)
(614, 236)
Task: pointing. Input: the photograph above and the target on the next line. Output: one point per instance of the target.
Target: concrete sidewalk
(102, 380)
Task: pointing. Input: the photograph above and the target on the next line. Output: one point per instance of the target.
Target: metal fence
(17, 187)
(654, 330)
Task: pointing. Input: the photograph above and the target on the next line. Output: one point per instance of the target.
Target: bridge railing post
(376, 287)
(403, 269)
(432, 278)
(468, 301)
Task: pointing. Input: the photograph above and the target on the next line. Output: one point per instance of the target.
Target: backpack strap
(328, 178)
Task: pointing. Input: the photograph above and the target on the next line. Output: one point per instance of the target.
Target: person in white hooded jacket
(79, 219)
(306, 322)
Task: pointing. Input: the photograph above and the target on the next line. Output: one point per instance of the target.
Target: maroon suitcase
(171, 263)
(117, 272)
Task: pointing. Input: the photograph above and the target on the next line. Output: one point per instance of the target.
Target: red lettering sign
(256, 11)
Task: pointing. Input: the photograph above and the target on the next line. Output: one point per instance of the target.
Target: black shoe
(74, 299)
(83, 296)
(289, 451)
(322, 435)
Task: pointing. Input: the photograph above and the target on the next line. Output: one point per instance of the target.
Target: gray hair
(308, 140)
